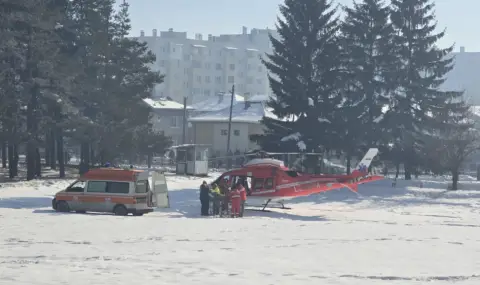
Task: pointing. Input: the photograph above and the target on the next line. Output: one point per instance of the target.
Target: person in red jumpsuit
(243, 196)
(236, 200)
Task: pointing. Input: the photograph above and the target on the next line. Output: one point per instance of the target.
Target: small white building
(212, 127)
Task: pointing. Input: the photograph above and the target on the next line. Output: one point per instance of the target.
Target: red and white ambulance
(114, 190)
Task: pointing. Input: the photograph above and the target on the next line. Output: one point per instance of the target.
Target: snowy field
(383, 235)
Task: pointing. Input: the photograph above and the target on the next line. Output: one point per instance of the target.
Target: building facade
(208, 66)
(463, 76)
(167, 117)
(212, 127)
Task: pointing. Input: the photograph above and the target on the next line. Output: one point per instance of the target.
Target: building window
(231, 79)
(224, 132)
(236, 133)
(207, 65)
(196, 64)
(259, 81)
(207, 79)
(249, 67)
(249, 80)
(187, 57)
(162, 63)
(199, 79)
(232, 66)
(218, 80)
(206, 92)
(218, 66)
(173, 122)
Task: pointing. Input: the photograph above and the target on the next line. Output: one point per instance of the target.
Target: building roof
(253, 114)
(164, 104)
(215, 103)
(258, 98)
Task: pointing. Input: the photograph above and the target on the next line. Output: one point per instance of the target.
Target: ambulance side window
(118, 187)
(142, 186)
(96, 186)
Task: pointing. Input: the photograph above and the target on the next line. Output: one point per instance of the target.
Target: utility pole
(230, 125)
(184, 134)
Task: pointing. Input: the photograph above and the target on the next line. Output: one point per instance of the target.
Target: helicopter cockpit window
(291, 173)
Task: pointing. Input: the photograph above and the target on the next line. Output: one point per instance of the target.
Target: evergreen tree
(12, 59)
(116, 77)
(30, 29)
(367, 43)
(304, 76)
(421, 69)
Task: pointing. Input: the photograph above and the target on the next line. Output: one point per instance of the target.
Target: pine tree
(421, 69)
(69, 74)
(116, 76)
(12, 59)
(304, 76)
(29, 33)
(367, 42)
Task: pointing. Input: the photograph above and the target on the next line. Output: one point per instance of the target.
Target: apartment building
(203, 67)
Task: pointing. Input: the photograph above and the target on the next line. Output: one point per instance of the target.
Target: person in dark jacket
(204, 198)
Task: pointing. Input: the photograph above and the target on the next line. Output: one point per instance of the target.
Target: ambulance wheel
(63, 207)
(120, 210)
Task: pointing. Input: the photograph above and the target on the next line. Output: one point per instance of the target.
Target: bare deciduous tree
(450, 149)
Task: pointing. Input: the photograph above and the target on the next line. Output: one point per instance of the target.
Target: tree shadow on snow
(404, 194)
(25, 202)
(53, 212)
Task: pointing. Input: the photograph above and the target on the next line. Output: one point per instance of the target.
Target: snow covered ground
(383, 235)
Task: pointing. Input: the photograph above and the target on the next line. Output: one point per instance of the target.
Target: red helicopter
(271, 181)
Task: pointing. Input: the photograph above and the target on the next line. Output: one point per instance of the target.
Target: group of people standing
(221, 196)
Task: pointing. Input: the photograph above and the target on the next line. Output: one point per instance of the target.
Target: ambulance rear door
(160, 198)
